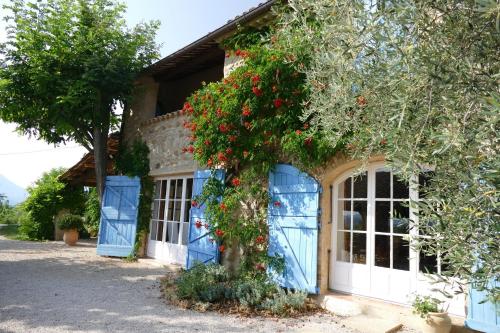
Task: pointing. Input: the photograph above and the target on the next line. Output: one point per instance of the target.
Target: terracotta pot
(436, 322)
(70, 237)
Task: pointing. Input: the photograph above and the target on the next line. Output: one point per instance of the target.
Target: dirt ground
(50, 287)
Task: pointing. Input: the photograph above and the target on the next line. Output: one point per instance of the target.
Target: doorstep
(159, 263)
(375, 316)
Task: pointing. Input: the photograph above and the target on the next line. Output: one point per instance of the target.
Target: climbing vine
(245, 124)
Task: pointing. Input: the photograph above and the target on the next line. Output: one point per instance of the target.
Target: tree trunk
(101, 159)
(101, 130)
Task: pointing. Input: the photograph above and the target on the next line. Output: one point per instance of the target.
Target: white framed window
(374, 220)
(171, 205)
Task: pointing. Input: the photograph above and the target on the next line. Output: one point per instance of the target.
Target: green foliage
(245, 124)
(10, 214)
(10, 231)
(133, 161)
(245, 38)
(66, 64)
(416, 81)
(92, 213)
(70, 221)
(202, 283)
(251, 293)
(284, 301)
(213, 284)
(45, 199)
(422, 305)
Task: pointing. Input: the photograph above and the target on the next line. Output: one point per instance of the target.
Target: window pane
(156, 205)
(345, 189)
(185, 233)
(170, 211)
(177, 211)
(343, 246)
(360, 186)
(344, 215)
(159, 234)
(157, 189)
(163, 189)
(382, 216)
(401, 253)
(153, 230)
(359, 215)
(189, 188)
(168, 237)
(175, 233)
(161, 216)
(178, 191)
(359, 248)
(427, 263)
(171, 192)
(383, 184)
(400, 188)
(382, 251)
(401, 217)
(187, 207)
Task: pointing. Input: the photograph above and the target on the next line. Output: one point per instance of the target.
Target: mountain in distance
(15, 193)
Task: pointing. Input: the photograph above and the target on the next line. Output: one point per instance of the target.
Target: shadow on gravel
(60, 293)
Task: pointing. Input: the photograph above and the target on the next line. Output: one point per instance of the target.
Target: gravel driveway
(50, 287)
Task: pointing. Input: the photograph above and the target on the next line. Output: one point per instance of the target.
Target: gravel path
(50, 287)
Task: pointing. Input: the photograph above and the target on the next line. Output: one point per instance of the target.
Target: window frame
(183, 222)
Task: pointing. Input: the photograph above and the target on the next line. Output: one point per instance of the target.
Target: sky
(24, 159)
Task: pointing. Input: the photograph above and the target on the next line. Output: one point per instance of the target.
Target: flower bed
(211, 288)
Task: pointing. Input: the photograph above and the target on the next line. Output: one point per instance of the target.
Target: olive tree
(416, 81)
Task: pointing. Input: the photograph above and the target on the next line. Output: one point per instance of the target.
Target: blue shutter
(118, 224)
(293, 226)
(200, 248)
(482, 316)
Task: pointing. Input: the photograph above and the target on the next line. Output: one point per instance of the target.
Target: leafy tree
(66, 65)
(45, 199)
(418, 82)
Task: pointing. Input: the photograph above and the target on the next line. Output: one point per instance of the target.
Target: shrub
(206, 286)
(252, 293)
(92, 213)
(202, 283)
(282, 302)
(68, 222)
(45, 199)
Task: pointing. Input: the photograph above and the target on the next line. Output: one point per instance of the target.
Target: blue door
(201, 247)
(293, 226)
(118, 216)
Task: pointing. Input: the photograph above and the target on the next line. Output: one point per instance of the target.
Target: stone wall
(165, 137)
(142, 108)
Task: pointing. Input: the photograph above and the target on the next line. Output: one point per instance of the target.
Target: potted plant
(434, 318)
(70, 225)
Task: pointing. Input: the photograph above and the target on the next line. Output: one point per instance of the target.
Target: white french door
(170, 219)
(371, 254)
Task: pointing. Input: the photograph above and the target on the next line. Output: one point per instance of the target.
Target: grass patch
(10, 231)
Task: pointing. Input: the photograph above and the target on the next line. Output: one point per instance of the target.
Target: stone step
(372, 315)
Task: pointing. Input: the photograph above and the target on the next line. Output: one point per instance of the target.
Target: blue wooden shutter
(118, 216)
(200, 248)
(483, 316)
(293, 226)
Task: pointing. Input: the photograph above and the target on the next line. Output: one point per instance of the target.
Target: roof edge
(212, 36)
